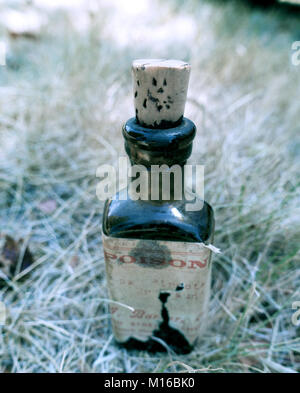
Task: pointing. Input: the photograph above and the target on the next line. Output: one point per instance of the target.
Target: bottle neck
(157, 183)
(158, 157)
(159, 146)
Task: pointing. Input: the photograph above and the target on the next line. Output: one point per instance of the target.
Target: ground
(65, 92)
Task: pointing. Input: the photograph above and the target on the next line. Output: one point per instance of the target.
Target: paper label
(153, 282)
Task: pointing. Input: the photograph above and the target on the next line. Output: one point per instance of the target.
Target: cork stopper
(160, 89)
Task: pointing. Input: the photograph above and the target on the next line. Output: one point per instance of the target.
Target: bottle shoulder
(178, 220)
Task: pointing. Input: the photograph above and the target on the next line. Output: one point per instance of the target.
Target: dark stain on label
(172, 337)
(180, 287)
(149, 253)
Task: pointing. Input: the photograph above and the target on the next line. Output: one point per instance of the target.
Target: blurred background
(65, 91)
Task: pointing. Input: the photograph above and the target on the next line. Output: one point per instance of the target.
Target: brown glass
(158, 220)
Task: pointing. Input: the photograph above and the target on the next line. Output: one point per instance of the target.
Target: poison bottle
(157, 234)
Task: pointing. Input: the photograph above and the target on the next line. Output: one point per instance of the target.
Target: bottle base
(173, 339)
(153, 346)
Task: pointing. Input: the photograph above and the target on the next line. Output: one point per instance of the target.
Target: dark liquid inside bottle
(159, 219)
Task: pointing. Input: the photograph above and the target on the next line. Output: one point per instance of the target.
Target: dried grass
(63, 99)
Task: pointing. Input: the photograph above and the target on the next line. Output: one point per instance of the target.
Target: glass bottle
(150, 230)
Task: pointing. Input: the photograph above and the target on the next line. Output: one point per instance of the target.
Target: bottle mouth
(161, 126)
(160, 145)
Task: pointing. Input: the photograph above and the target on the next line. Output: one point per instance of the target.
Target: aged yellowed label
(153, 283)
